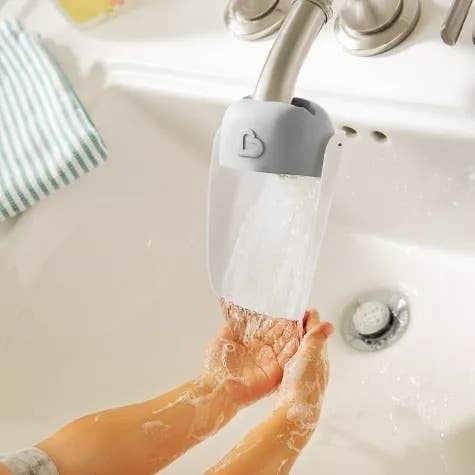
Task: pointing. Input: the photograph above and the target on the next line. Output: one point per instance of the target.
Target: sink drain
(376, 320)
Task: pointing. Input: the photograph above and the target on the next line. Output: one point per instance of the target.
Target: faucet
(363, 27)
(454, 21)
(279, 75)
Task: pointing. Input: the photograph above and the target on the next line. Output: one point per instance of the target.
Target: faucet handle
(366, 17)
(454, 21)
(368, 27)
(252, 10)
(255, 19)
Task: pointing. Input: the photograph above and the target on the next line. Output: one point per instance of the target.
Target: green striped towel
(47, 139)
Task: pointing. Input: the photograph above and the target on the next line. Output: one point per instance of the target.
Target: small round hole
(349, 131)
(379, 136)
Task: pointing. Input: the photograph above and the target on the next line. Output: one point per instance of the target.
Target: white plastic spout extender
(273, 169)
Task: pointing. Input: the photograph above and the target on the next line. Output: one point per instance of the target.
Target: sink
(105, 282)
(105, 294)
(106, 298)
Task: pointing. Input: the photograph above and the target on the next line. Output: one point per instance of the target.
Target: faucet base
(367, 41)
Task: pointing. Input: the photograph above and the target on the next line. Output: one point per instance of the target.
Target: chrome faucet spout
(454, 21)
(297, 34)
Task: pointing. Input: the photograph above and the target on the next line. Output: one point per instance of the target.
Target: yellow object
(83, 11)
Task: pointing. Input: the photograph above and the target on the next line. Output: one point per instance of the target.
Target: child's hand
(306, 375)
(250, 352)
(275, 444)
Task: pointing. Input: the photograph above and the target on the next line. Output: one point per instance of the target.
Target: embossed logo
(250, 145)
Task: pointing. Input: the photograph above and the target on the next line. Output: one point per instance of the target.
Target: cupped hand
(306, 374)
(250, 352)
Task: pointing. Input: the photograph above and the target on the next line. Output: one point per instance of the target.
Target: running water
(232, 311)
(250, 321)
(272, 261)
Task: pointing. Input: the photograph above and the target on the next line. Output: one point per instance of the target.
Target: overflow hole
(349, 131)
(379, 136)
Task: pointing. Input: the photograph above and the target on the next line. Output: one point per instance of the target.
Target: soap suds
(152, 427)
(291, 442)
(300, 414)
(281, 466)
(182, 398)
(208, 415)
(239, 450)
(299, 387)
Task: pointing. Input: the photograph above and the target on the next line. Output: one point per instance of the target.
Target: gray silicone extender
(274, 137)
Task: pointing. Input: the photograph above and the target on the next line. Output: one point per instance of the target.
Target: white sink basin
(105, 295)
(106, 299)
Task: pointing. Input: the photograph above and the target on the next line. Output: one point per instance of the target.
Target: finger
(305, 318)
(320, 331)
(315, 338)
(311, 319)
(275, 331)
(290, 333)
(311, 366)
(288, 352)
(301, 329)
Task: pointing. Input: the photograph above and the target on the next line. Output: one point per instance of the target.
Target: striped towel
(47, 139)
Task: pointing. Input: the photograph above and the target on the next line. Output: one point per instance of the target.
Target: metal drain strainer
(375, 320)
